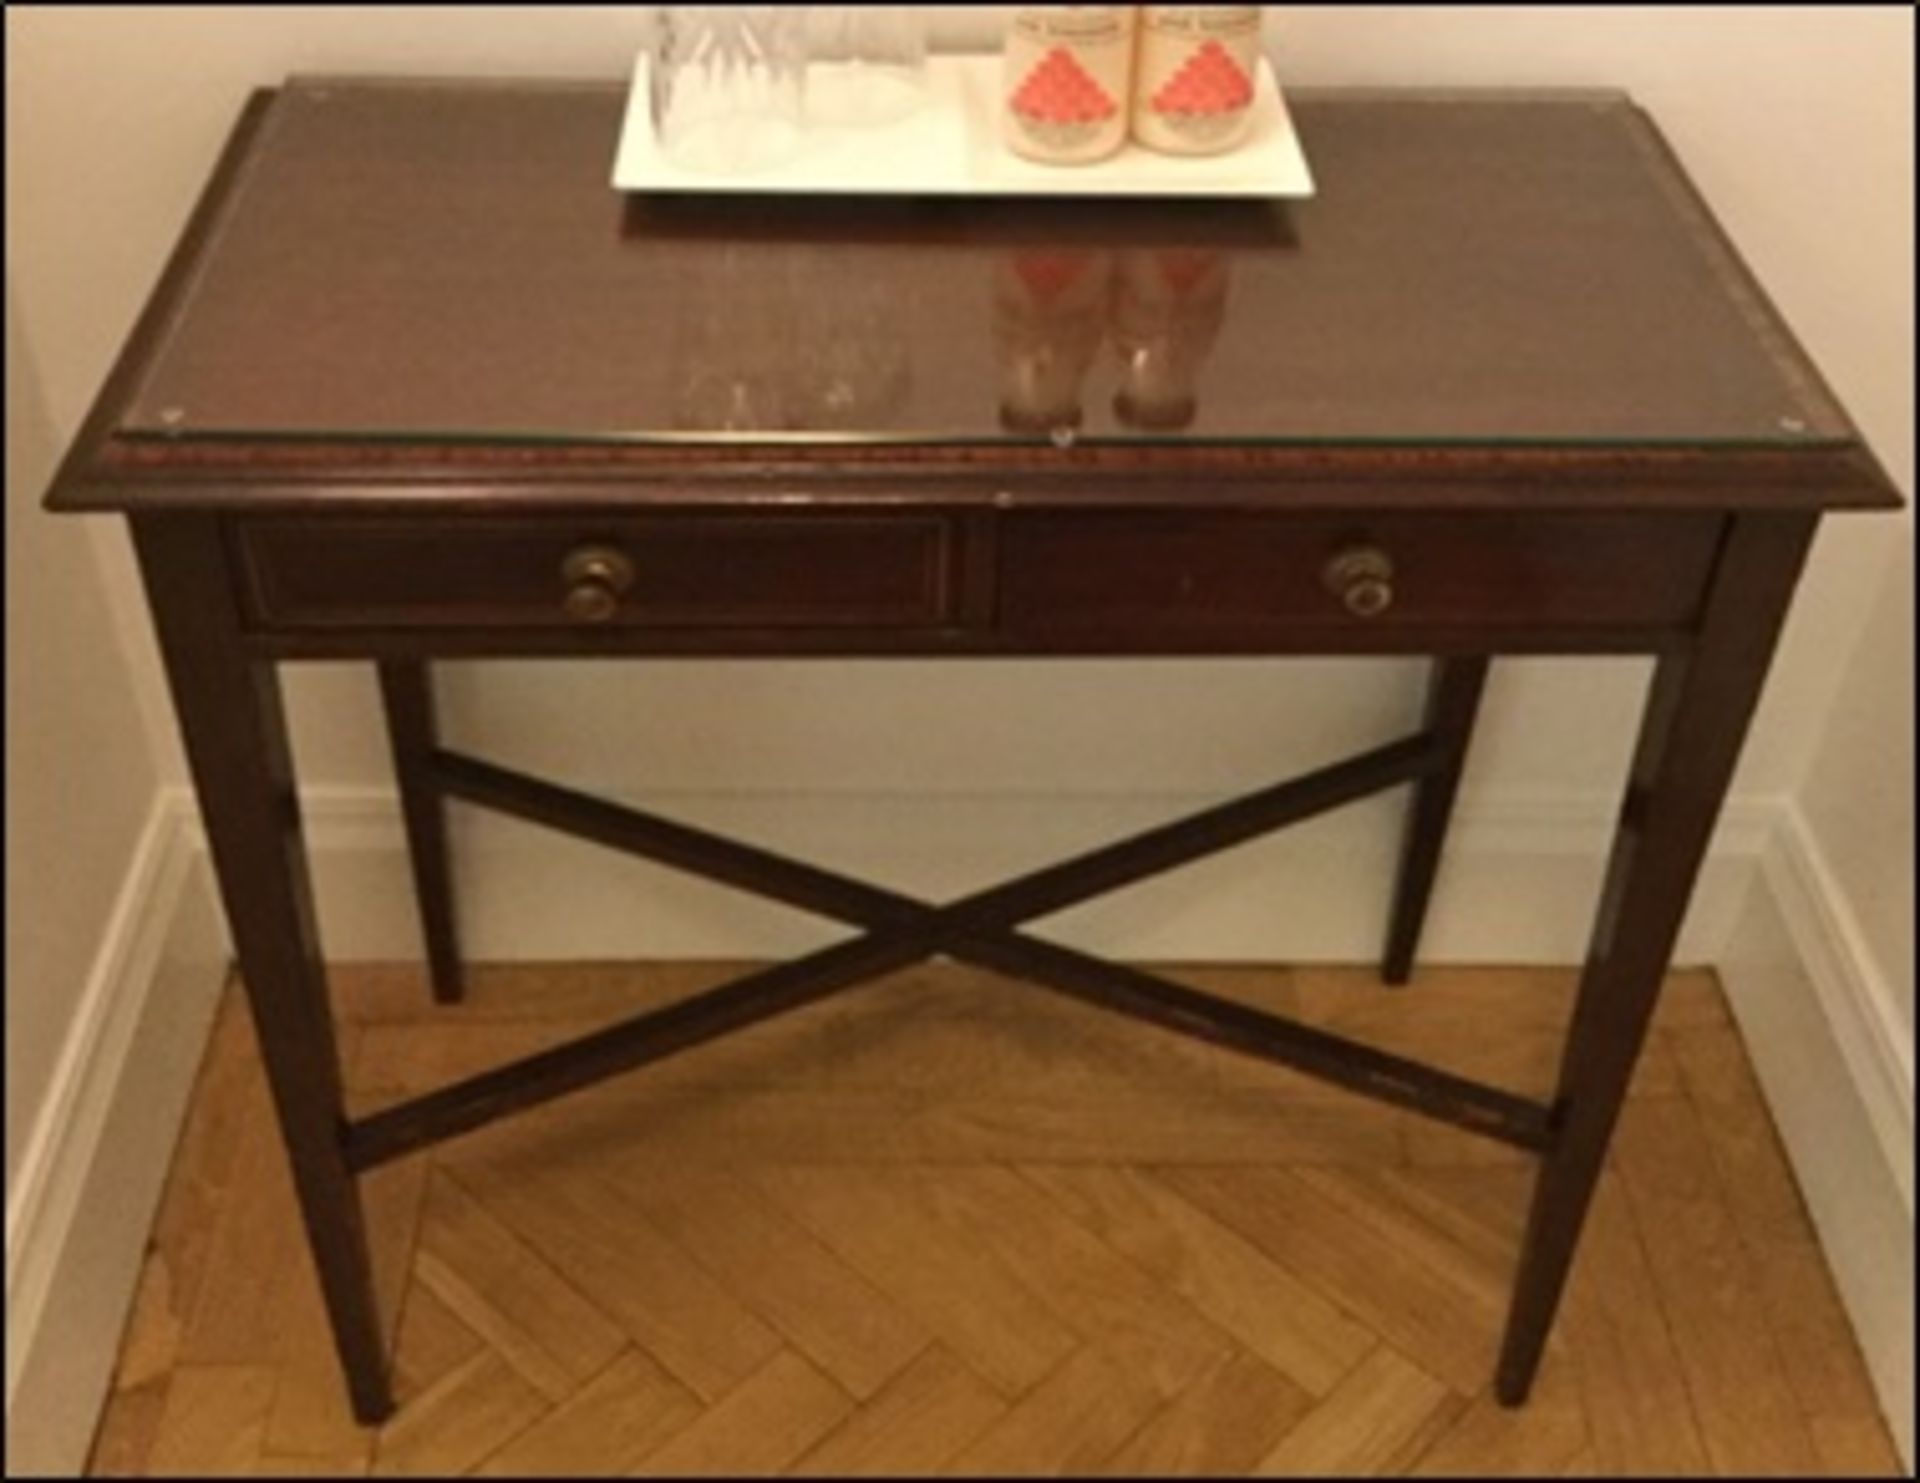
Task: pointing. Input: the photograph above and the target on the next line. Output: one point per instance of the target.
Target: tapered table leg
(1453, 701)
(234, 728)
(406, 688)
(1695, 720)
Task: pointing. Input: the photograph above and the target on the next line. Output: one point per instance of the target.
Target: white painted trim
(1815, 1011)
(1557, 822)
(1519, 883)
(80, 1209)
(1549, 821)
(1855, 995)
(95, 1048)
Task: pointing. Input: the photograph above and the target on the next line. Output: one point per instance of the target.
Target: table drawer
(1164, 576)
(694, 571)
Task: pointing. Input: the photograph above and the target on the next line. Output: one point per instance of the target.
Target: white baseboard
(1817, 1013)
(91, 1175)
(1519, 883)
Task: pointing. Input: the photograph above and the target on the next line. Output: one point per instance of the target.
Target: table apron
(928, 583)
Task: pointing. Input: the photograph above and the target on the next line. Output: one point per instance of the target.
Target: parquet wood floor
(949, 1224)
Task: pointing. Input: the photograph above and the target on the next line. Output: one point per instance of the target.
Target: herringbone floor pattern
(948, 1224)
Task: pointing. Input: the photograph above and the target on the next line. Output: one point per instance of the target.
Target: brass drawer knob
(596, 577)
(1362, 578)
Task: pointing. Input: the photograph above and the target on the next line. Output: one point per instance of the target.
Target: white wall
(80, 779)
(1819, 964)
(114, 959)
(1858, 800)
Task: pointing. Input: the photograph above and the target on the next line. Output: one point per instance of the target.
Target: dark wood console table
(419, 384)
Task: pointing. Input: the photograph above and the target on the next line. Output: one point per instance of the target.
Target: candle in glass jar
(1067, 74)
(1194, 78)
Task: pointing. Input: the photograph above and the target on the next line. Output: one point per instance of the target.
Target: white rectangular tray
(951, 146)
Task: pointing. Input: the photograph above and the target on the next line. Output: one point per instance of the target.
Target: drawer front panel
(672, 571)
(1159, 576)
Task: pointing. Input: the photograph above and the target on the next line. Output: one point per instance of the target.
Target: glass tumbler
(728, 85)
(870, 63)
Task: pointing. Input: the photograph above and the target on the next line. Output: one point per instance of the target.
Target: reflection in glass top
(449, 262)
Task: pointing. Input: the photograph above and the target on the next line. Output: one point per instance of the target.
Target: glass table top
(450, 262)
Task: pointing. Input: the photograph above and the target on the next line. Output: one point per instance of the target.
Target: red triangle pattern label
(1058, 90)
(1208, 82)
